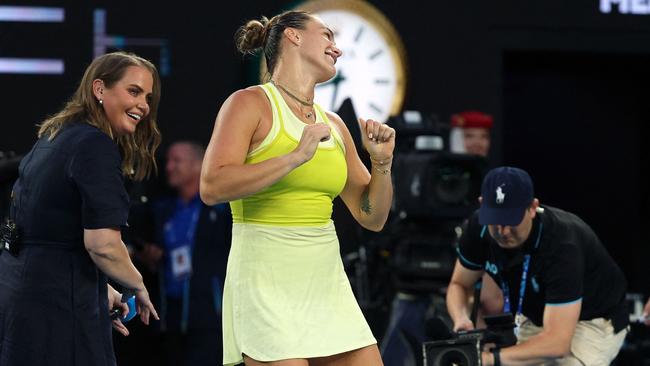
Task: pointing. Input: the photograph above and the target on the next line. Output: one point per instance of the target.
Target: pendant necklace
(305, 102)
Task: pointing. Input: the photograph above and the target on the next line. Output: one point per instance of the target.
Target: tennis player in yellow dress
(280, 160)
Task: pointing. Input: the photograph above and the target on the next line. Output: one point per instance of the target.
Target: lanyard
(191, 228)
(522, 287)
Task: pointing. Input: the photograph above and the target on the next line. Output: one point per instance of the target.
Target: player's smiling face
(319, 47)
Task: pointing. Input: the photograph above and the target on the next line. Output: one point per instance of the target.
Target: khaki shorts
(594, 342)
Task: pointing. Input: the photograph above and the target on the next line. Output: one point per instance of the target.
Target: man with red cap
(470, 133)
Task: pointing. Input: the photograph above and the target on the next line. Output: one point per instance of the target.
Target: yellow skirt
(287, 296)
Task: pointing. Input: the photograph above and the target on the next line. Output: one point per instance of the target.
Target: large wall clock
(372, 71)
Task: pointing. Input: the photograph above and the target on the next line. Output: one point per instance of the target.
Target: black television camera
(435, 190)
(464, 348)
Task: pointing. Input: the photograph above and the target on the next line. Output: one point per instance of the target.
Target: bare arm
(461, 283)
(368, 195)
(109, 253)
(242, 123)
(553, 342)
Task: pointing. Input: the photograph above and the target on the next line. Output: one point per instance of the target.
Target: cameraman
(566, 292)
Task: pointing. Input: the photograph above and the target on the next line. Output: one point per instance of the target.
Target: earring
(101, 101)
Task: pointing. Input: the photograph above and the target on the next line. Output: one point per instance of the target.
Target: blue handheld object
(128, 297)
(132, 311)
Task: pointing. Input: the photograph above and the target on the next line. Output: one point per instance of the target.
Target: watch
(372, 71)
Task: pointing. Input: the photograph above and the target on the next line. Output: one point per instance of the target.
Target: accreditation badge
(519, 320)
(181, 258)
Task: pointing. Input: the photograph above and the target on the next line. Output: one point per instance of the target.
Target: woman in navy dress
(69, 203)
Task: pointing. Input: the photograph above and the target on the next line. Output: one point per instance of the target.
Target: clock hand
(338, 78)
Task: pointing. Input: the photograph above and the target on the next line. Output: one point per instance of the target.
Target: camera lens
(453, 357)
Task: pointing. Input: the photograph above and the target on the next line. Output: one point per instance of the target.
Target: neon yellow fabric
(304, 196)
(287, 296)
(286, 293)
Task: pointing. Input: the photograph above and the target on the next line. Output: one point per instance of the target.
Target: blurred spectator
(190, 252)
(470, 133)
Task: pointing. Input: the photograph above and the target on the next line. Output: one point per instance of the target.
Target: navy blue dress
(53, 298)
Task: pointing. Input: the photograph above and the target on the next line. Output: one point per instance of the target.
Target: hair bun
(250, 37)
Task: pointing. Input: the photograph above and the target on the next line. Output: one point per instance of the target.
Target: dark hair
(197, 150)
(138, 149)
(267, 34)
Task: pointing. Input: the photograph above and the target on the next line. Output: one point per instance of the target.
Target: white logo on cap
(500, 195)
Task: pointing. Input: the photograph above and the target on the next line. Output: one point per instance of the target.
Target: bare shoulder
(252, 96)
(248, 105)
(245, 115)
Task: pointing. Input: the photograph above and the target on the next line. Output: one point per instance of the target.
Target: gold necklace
(306, 103)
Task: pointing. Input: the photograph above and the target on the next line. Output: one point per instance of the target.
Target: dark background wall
(568, 87)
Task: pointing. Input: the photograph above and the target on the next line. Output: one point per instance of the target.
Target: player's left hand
(377, 138)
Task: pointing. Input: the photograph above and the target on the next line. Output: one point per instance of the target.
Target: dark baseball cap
(507, 192)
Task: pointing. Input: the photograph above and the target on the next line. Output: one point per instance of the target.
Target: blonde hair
(139, 148)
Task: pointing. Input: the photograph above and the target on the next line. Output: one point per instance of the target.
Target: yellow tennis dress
(286, 294)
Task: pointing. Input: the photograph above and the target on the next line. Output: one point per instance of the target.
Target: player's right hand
(312, 135)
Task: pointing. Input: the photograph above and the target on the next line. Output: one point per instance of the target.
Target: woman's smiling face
(126, 103)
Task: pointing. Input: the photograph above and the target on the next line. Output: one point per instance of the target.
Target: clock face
(372, 69)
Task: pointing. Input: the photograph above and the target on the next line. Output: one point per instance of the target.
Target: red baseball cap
(469, 119)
